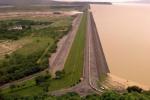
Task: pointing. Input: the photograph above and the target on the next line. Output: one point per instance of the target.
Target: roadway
(94, 63)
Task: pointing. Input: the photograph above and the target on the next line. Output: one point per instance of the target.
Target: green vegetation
(33, 56)
(109, 95)
(102, 77)
(14, 29)
(134, 89)
(66, 8)
(74, 63)
(60, 74)
(42, 79)
(69, 77)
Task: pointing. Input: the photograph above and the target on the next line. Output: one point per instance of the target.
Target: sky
(101, 0)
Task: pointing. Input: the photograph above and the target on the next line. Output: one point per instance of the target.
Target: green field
(36, 46)
(73, 67)
(37, 43)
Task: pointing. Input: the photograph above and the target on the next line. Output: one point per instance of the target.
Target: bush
(92, 97)
(42, 79)
(134, 89)
(110, 95)
(60, 74)
(7, 56)
(45, 86)
(12, 87)
(1, 95)
(70, 96)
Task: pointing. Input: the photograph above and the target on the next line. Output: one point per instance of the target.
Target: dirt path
(58, 59)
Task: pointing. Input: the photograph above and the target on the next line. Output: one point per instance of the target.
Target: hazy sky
(101, 0)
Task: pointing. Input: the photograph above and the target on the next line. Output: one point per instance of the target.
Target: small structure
(57, 12)
(18, 27)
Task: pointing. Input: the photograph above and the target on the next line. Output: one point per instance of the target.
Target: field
(7, 47)
(73, 68)
(27, 44)
(125, 41)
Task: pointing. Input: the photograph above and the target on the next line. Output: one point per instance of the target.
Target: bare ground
(36, 14)
(9, 46)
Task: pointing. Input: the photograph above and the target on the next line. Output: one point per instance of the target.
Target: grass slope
(75, 60)
(74, 63)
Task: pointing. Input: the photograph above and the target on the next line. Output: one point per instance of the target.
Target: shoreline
(131, 4)
(126, 83)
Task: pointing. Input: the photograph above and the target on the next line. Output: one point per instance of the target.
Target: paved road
(94, 63)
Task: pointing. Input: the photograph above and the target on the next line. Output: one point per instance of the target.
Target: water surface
(124, 31)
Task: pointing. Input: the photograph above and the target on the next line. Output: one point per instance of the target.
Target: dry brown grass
(37, 15)
(9, 46)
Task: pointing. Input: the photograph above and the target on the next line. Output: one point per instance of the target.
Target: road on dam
(94, 63)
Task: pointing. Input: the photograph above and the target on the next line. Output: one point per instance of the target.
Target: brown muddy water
(124, 32)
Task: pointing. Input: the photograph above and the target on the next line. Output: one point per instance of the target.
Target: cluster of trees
(54, 32)
(16, 66)
(14, 29)
(109, 95)
(19, 66)
(41, 96)
(78, 7)
(30, 22)
(43, 82)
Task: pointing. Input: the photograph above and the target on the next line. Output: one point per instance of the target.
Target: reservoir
(124, 31)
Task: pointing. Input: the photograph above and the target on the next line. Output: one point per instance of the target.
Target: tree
(110, 95)
(134, 89)
(42, 79)
(39, 80)
(12, 87)
(45, 86)
(92, 97)
(1, 95)
(70, 96)
(7, 56)
(60, 74)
